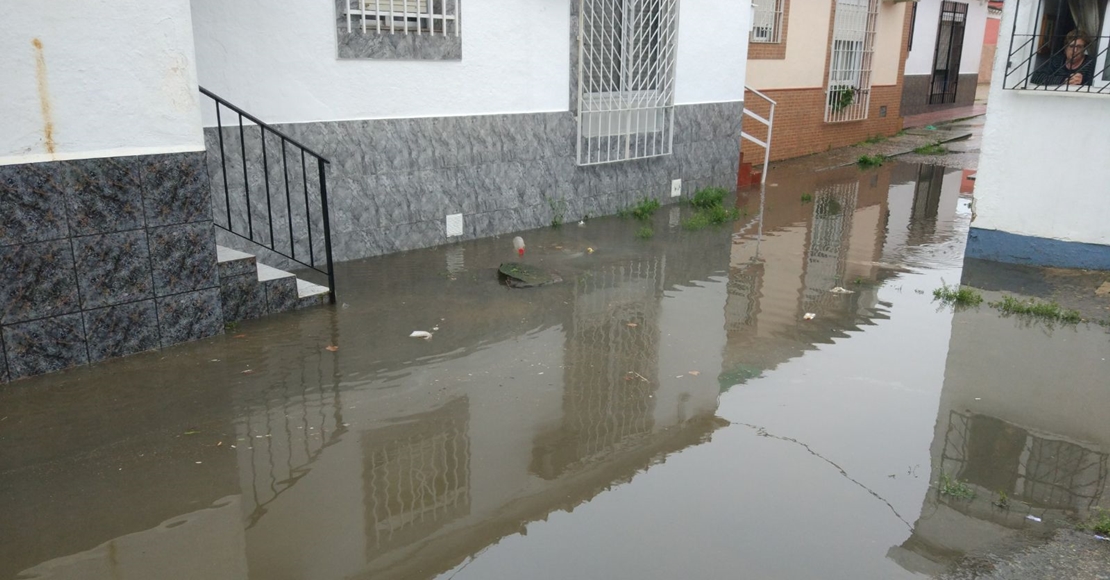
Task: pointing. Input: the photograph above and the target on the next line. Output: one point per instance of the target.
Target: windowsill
(1050, 92)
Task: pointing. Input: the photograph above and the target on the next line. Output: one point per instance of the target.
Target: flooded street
(667, 411)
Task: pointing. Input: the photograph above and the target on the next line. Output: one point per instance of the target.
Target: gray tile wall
(915, 94)
(96, 257)
(392, 182)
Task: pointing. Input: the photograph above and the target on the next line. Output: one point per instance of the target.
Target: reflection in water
(394, 458)
(612, 348)
(416, 476)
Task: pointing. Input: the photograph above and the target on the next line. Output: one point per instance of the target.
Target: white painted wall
(115, 77)
(281, 64)
(920, 60)
(1043, 170)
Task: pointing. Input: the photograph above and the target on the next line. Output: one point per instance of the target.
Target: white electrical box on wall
(676, 188)
(454, 225)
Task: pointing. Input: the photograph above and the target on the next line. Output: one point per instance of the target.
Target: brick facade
(800, 127)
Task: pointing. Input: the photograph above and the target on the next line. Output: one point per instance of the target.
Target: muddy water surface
(667, 411)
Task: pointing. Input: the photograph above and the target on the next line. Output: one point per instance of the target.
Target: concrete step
(252, 290)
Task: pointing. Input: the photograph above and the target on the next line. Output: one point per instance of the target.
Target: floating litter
(809, 316)
(1033, 518)
(421, 334)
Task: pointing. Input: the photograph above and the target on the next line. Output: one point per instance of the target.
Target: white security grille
(853, 45)
(404, 16)
(626, 52)
(767, 23)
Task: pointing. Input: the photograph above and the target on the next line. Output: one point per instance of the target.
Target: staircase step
(309, 294)
(251, 290)
(233, 262)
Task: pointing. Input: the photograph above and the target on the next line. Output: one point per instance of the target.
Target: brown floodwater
(667, 411)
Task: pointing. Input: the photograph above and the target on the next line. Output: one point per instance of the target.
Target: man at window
(1071, 67)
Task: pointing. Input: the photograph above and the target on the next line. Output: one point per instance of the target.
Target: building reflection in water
(394, 476)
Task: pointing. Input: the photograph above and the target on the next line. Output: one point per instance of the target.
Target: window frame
(626, 79)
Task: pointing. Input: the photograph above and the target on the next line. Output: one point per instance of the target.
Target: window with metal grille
(626, 78)
(437, 17)
(1039, 57)
(853, 43)
(767, 22)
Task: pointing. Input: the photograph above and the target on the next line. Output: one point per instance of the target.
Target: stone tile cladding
(101, 258)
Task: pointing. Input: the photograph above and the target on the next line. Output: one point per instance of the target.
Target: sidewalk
(926, 119)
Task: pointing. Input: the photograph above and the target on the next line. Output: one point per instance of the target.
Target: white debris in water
(421, 334)
(809, 316)
(1032, 517)
(839, 290)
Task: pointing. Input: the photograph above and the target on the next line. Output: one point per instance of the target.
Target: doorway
(949, 48)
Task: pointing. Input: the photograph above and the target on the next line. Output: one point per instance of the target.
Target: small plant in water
(1003, 500)
(645, 233)
(645, 209)
(931, 149)
(957, 295)
(806, 198)
(871, 160)
(1050, 311)
(231, 326)
(708, 197)
(951, 487)
(874, 140)
(1098, 522)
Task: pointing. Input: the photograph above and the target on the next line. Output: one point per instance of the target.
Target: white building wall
(1043, 171)
(281, 64)
(96, 79)
(920, 60)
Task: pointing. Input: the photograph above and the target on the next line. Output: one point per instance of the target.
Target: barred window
(767, 21)
(626, 76)
(403, 16)
(853, 44)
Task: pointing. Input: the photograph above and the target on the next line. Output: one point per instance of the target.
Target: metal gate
(946, 59)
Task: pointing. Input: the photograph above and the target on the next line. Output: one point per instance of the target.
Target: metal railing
(769, 122)
(1041, 67)
(254, 220)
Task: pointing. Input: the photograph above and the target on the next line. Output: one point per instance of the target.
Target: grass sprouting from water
(708, 197)
(874, 139)
(871, 160)
(645, 233)
(951, 487)
(1050, 311)
(931, 149)
(957, 295)
(710, 209)
(806, 198)
(642, 210)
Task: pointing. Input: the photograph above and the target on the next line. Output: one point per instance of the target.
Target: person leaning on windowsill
(1072, 67)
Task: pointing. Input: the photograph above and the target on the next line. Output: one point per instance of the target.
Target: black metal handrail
(245, 211)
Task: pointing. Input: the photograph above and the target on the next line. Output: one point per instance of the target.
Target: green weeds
(958, 295)
(866, 161)
(806, 198)
(642, 210)
(874, 140)
(710, 209)
(1049, 311)
(931, 149)
(1098, 522)
(1003, 500)
(953, 488)
(645, 233)
(708, 197)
